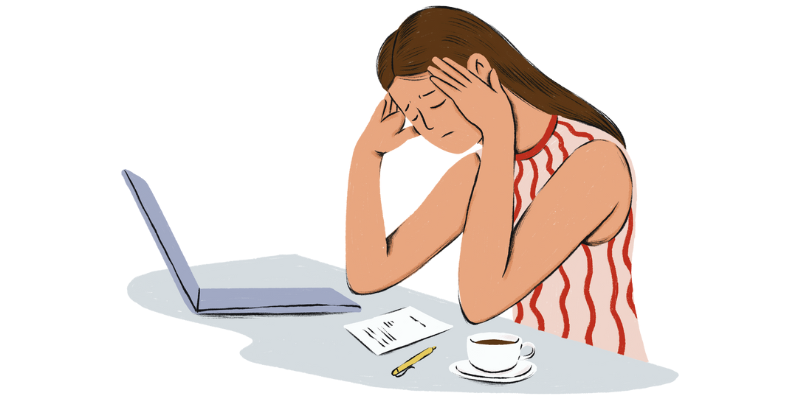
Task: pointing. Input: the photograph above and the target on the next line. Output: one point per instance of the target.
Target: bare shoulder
(599, 153)
(591, 191)
(599, 161)
(601, 165)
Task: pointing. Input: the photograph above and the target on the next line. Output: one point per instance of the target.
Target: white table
(321, 346)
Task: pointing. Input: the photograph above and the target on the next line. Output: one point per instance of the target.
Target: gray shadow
(319, 344)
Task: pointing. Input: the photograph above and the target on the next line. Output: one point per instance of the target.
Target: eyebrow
(428, 93)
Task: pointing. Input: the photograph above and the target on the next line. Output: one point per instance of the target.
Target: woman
(545, 207)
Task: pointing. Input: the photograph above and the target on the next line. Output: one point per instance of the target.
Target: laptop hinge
(197, 306)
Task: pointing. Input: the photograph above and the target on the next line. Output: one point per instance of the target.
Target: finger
(387, 101)
(446, 70)
(407, 133)
(396, 110)
(389, 107)
(447, 78)
(449, 67)
(394, 117)
(379, 109)
(467, 74)
(446, 88)
(440, 77)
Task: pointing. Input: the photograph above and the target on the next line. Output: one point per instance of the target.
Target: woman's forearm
(365, 231)
(487, 234)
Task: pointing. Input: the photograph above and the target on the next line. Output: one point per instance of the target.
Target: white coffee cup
(496, 352)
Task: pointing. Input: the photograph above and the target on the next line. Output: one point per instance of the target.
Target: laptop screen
(173, 257)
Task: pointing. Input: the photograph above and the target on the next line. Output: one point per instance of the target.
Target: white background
(242, 117)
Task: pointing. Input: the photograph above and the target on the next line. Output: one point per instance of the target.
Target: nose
(425, 124)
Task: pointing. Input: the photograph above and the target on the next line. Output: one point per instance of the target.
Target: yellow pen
(408, 364)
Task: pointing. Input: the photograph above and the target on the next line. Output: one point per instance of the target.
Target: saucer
(523, 370)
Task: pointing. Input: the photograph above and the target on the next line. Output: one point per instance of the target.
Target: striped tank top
(589, 298)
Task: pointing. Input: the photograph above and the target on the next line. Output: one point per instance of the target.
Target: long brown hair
(450, 32)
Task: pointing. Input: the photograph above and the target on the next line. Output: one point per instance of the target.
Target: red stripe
(535, 179)
(589, 302)
(615, 298)
(536, 293)
(519, 313)
(578, 134)
(518, 206)
(627, 260)
(561, 145)
(627, 243)
(563, 301)
(551, 127)
(549, 165)
(630, 298)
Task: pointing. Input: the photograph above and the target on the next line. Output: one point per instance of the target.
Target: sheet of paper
(396, 329)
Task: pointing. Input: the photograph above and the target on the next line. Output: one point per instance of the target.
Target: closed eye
(415, 118)
(439, 105)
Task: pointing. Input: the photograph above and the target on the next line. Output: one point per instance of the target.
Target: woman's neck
(531, 123)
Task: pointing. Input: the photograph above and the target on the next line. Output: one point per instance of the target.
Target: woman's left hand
(483, 104)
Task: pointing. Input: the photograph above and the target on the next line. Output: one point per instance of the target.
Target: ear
(479, 65)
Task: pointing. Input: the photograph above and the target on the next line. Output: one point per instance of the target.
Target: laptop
(229, 300)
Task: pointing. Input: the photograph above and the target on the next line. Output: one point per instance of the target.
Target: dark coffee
(494, 341)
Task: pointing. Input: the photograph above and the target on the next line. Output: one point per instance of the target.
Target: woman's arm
(376, 262)
(592, 187)
(498, 266)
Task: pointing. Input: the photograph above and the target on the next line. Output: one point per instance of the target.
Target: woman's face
(433, 114)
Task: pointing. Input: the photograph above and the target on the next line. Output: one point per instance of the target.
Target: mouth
(447, 133)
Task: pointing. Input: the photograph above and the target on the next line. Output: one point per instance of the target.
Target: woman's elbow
(361, 283)
(475, 310)
(357, 285)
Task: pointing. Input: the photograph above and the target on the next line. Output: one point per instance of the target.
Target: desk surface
(321, 346)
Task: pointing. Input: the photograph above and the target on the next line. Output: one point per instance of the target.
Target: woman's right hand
(385, 132)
